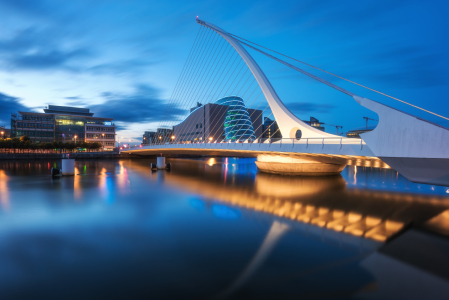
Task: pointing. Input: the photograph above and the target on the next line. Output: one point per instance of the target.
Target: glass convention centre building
(227, 119)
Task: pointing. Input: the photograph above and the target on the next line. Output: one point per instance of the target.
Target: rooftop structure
(68, 110)
(355, 133)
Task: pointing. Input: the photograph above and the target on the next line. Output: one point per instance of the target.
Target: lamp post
(3, 134)
(210, 139)
(160, 138)
(172, 138)
(102, 140)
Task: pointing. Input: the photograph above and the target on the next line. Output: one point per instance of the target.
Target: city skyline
(95, 56)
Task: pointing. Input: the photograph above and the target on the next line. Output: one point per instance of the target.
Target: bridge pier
(298, 166)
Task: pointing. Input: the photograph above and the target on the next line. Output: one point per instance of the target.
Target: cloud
(118, 67)
(8, 105)
(38, 50)
(306, 107)
(141, 106)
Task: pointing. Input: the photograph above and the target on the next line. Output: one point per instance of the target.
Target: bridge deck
(316, 149)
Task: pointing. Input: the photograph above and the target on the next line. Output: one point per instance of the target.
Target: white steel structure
(415, 147)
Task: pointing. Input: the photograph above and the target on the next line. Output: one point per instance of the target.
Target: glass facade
(237, 125)
(67, 127)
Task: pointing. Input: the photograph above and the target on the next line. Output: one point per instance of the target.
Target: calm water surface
(215, 228)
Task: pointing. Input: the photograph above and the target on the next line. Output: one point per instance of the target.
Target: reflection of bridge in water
(323, 205)
(327, 209)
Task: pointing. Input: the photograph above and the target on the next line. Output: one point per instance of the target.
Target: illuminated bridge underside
(318, 152)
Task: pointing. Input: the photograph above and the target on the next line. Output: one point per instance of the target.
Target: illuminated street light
(210, 139)
(172, 137)
(75, 138)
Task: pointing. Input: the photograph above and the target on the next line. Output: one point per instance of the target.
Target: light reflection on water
(211, 227)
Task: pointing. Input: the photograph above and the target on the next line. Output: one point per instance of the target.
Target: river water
(215, 228)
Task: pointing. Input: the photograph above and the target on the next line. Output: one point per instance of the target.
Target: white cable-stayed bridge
(227, 97)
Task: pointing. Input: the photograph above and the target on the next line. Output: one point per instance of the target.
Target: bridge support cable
(220, 90)
(182, 78)
(303, 71)
(203, 72)
(285, 118)
(184, 98)
(187, 126)
(197, 90)
(194, 121)
(187, 78)
(207, 77)
(194, 78)
(213, 88)
(327, 72)
(180, 81)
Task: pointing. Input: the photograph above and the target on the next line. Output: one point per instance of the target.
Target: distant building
(314, 122)
(4, 132)
(149, 137)
(271, 129)
(355, 133)
(64, 123)
(227, 119)
(164, 135)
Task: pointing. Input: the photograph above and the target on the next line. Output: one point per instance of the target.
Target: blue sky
(122, 58)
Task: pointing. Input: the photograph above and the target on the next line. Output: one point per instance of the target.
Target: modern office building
(63, 123)
(148, 137)
(164, 135)
(314, 122)
(226, 119)
(271, 129)
(355, 133)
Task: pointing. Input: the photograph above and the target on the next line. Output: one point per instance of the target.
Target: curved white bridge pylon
(288, 123)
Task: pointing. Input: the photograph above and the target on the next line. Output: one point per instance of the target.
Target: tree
(24, 138)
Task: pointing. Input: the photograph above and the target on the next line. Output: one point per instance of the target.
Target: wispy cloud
(306, 107)
(8, 105)
(141, 106)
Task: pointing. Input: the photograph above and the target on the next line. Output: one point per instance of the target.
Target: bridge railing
(271, 141)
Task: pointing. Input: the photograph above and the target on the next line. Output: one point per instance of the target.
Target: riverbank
(39, 156)
(88, 155)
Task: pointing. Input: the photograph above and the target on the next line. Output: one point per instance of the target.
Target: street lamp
(75, 138)
(210, 139)
(3, 134)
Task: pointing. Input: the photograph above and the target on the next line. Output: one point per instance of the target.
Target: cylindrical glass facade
(237, 124)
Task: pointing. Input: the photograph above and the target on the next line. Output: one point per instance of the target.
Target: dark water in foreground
(218, 229)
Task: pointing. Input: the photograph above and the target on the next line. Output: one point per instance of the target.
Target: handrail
(268, 141)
